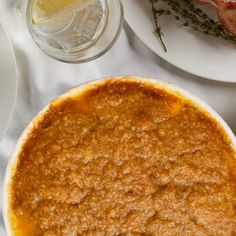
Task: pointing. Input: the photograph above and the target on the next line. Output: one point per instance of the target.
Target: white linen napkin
(41, 78)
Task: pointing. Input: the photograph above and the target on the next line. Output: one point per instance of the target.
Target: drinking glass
(78, 34)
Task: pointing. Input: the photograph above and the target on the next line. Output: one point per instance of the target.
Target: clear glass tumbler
(78, 35)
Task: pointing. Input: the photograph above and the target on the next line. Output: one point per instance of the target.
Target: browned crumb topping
(125, 158)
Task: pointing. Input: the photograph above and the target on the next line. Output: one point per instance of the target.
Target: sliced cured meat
(211, 2)
(227, 14)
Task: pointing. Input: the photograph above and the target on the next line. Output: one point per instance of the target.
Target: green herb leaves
(188, 15)
(157, 13)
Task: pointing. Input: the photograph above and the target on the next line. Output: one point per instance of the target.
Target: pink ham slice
(226, 11)
(227, 14)
(211, 2)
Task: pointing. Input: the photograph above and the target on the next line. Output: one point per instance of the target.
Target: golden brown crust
(125, 158)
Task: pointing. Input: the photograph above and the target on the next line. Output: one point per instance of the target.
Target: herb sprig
(188, 15)
(157, 14)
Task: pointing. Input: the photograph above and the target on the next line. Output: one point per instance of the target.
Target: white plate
(193, 52)
(8, 82)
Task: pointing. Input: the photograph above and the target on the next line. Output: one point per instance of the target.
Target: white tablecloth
(41, 78)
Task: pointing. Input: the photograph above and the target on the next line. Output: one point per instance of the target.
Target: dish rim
(14, 64)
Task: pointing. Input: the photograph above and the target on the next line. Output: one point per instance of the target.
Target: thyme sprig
(187, 14)
(157, 14)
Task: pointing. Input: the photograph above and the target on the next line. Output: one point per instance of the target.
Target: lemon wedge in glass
(44, 10)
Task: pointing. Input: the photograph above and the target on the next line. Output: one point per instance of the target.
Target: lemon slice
(44, 10)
